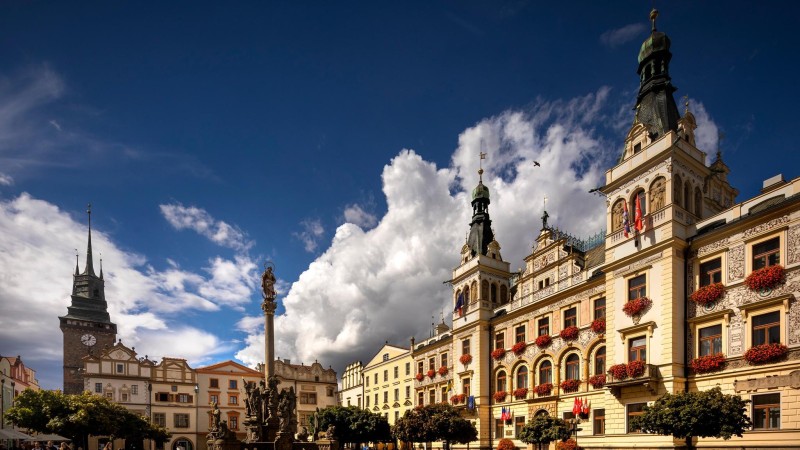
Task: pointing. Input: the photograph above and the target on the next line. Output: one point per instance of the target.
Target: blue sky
(336, 140)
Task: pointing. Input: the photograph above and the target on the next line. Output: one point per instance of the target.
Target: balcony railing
(648, 379)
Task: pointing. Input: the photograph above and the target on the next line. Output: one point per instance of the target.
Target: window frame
(573, 365)
(569, 321)
(711, 339)
(501, 381)
(518, 376)
(640, 289)
(540, 369)
(520, 334)
(500, 340)
(596, 309)
(767, 407)
(765, 329)
(780, 304)
(599, 421)
(750, 248)
(597, 356)
(629, 415)
(540, 326)
(640, 349)
(706, 276)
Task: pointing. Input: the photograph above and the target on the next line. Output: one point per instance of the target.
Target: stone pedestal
(327, 444)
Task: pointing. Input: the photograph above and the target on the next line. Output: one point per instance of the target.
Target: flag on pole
(576, 407)
(460, 304)
(626, 223)
(471, 402)
(638, 224)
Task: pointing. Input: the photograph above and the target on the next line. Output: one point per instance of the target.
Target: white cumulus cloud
(706, 135)
(199, 220)
(356, 215)
(312, 231)
(618, 36)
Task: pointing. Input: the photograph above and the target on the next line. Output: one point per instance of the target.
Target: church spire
(89, 270)
(480, 231)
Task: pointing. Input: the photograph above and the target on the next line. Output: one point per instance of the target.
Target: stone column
(268, 305)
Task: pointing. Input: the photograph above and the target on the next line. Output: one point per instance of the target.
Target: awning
(10, 433)
(47, 437)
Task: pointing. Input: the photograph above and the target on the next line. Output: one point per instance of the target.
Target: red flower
(766, 278)
(635, 369)
(597, 381)
(570, 385)
(569, 444)
(458, 398)
(506, 444)
(520, 393)
(569, 333)
(466, 358)
(500, 396)
(431, 373)
(443, 371)
(707, 363)
(498, 353)
(543, 340)
(419, 376)
(599, 325)
(618, 371)
(544, 388)
(518, 348)
(765, 353)
(707, 295)
(636, 306)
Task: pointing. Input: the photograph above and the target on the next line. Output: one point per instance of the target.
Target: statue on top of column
(268, 283)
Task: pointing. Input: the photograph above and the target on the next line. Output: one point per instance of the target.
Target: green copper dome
(480, 191)
(657, 41)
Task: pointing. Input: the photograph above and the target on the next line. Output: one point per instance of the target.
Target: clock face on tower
(88, 340)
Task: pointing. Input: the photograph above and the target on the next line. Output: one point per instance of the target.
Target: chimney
(773, 182)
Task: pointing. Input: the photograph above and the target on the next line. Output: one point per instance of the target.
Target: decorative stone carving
(658, 194)
(760, 228)
(736, 263)
(735, 335)
(793, 244)
(641, 176)
(712, 247)
(637, 265)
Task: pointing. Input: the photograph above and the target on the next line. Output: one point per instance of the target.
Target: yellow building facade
(389, 382)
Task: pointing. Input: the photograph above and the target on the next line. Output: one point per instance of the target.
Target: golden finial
(686, 104)
(653, 15)
(480, 167)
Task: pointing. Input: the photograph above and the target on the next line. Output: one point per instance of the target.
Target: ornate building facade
(388, 382)
(351, 392)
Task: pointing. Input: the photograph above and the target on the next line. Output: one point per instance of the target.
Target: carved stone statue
(268, 284)
(252, 401)
(313, 421)
(616, 216)
(302, 436)
(215, 416)
(657, 194)
(286, 407)
(330, 434)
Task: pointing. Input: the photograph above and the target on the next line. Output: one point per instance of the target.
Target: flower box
(543, 389)
(636, 306)
(570, 385)
(597, 381)
(635, 368)
(442, 371)
(569, 333)
(707, 295)
(420, 376)
(519, 348)
(707, 363)
(500, 396)
(498, 353)
(458, 398)
(465, 358)
(520, 393)
(766, 278)
(543, 340)
(569, 444)
(599, 325)
(765, 353)
(618, 371)
(431, 373)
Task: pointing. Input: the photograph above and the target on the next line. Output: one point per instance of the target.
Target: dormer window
(637, 148)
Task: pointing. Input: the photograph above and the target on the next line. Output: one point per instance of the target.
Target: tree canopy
(439, 422)
(78, 416)
(696, 414)
(544, 430)
(354, 425)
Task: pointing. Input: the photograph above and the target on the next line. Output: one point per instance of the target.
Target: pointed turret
(480, 231)
(89, 270)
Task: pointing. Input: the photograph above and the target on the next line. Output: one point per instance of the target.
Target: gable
(390, 350)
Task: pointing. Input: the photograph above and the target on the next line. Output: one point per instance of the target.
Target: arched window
(698, 202)
(600, 361)
(545, 372)
(522, 377)
(503, 294)
(494, 292)
(642, 203)
(616, 215)
(573, 367)
(473, 289)
(687, 200)
(658, 193)
(677, 185)
(485, 290)
(501, 381)
(466, 294)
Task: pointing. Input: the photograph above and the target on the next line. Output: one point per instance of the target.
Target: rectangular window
(160, 419)
(110, 395)
(376, 399)
(421, 398)
(465, 347)
(233, 422)
(544, 326)
(329, 391)
(408, 391)
(431, 397)
(444, 394)
(367, 401)
(310, 398)
(385, 397)
(120, 368)
(571, 317)
(162, 397)
(124, 396)
(396, 372)
(134, 389)
(767, 411)
(767, 328)
(444, 360)
(214, 399)
(634, 410)
(599, 421)
(396, 416)
(637, 287)
(420, 367)
(711, 272)
(367, 381)
(181, 420)
(233, 384)
(519, 334)
(541, 285)
(213, 383)
(183, 398)
(710, 340)
(766, 253)
(498, 428)
(465, 387)
(600, 308)
(637, 349)
(386, 375)
(233, 400)
(397, 395)
(500, 340)
(376, 378)
(519, 422)
(174, 388)
(98, 387)
(408, 369)
(432, 363)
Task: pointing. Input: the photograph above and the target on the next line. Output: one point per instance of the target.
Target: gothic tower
(87, 324)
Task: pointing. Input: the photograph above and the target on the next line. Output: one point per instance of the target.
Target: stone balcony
(649, 379)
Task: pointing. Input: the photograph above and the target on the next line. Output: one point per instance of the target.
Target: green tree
(439, 422)
(354, 425)
(81, 415)
(688, 415)
(542, 430)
